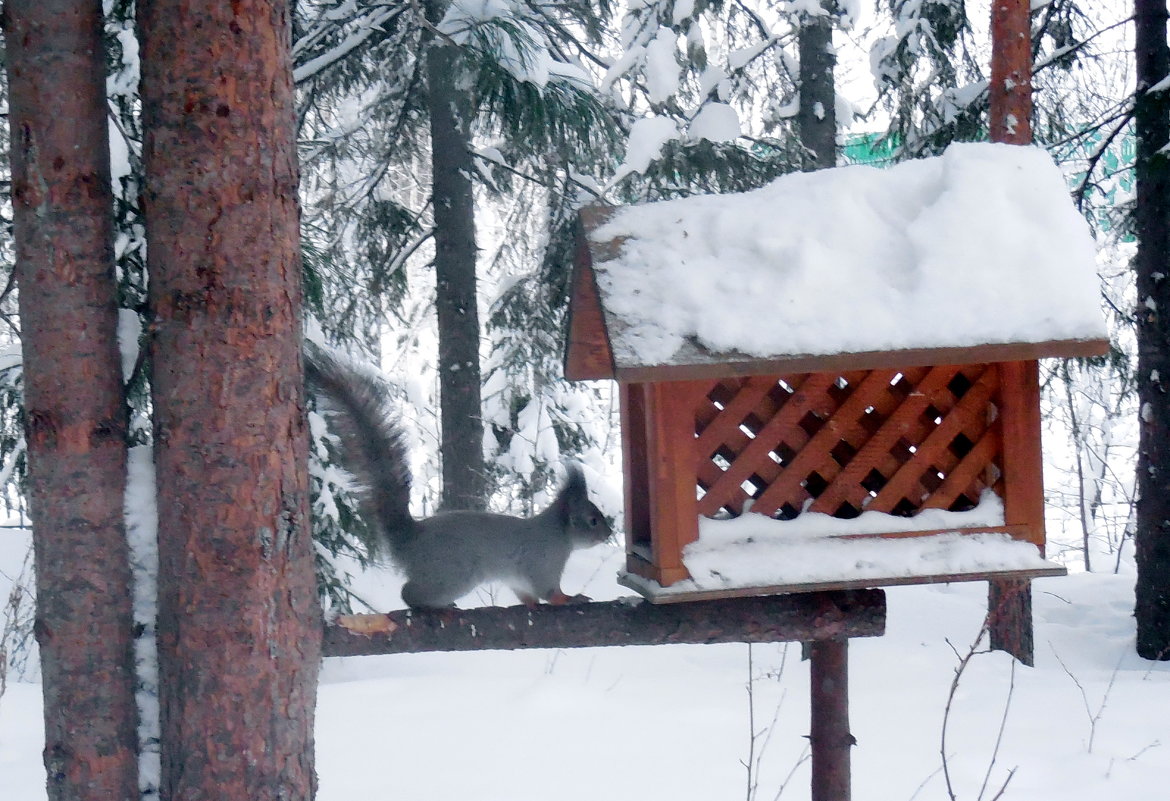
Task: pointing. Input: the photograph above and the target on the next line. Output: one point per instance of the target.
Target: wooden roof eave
(693, 362)
(588, 354)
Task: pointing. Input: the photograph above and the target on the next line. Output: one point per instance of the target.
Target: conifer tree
(74, 416)
(239, 627)
(1152, 223)
(522, 88)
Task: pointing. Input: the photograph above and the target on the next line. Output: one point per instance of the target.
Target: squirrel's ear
(573, 493)
(575, 482)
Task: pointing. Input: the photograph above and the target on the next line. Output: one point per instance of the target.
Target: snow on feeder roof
(974, 255)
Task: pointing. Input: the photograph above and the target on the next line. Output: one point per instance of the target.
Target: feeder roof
(976, 255)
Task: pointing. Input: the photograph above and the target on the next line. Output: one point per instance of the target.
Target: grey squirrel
(445, 556)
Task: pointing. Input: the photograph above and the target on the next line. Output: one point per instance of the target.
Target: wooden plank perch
(779, 618)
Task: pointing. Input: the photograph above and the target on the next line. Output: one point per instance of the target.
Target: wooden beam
(674, 512)
(781, 618)
(637, 474)
(693, 363)
(1023, 459)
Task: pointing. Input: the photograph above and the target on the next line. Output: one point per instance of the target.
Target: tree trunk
(453, 203)
(239, 625)
(1009, 601)
(1010, 91)
(74, 409)
(817, 116)
(1152, 264)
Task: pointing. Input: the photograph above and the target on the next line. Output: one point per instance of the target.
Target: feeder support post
(1011, 72)
(1010, 601)
(829, 736)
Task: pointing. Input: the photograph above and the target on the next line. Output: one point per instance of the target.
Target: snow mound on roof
(981, 245)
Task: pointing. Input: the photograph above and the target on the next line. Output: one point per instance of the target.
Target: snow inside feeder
(830, 382)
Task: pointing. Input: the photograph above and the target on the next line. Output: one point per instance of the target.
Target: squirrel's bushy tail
(371, 449)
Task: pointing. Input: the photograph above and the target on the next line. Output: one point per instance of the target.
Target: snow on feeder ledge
(848, 354)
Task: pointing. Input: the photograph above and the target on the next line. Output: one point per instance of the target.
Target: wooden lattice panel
(893, 441)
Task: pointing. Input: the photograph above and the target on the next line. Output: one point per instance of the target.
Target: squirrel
(451, 553)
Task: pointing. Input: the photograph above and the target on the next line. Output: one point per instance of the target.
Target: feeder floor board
(655, 593)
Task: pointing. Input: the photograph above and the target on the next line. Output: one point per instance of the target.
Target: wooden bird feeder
(710, 434)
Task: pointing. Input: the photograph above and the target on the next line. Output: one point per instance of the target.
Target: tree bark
(768, 618)
(239, 624)
(75, 420)
(1011, 72)
(1152, 265)
(453, 204)
(817, 115)
(830, 740)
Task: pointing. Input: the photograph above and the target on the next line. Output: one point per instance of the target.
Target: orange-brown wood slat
(809, 396)
(725, 429)
(706, 410)
(968, 420)
(966, 476)
(1023, 464)
(589, 355)
(671, 454)
(907, 477)
(705, 365)
(911, 378)
(635, 463)
(816, 454)
(875, 455)
(1016, 532)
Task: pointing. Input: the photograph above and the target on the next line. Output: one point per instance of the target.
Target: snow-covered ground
(1089, 723)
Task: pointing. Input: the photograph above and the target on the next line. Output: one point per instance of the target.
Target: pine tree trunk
(817, 116)
(74, 408)
(239, 624)
(1152, 264)
(453, 201)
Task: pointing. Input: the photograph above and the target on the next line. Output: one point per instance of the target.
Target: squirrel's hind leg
(418, 595)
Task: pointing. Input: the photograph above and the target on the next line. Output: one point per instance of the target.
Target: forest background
(563, 104)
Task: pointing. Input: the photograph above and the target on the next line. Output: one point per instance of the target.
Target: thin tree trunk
(1010, 91)
(453, 200)
(817, 116)
(1152, 264)
(74, 407)
(239, 624)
